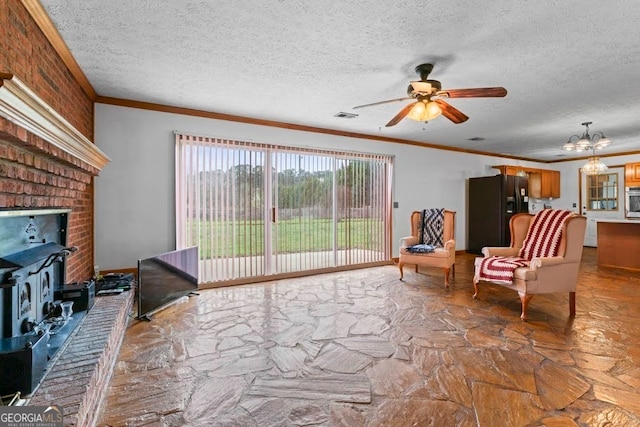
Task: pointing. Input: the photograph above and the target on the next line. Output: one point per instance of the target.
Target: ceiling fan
(428, 104)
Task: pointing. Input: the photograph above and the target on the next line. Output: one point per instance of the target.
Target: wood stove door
(23, 301)
(46, 283)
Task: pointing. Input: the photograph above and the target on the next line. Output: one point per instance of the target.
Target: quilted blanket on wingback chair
(542, 240)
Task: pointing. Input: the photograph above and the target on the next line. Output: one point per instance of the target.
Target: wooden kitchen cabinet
(509, 170)
(543, 183)
(549, 184)
(632, 175)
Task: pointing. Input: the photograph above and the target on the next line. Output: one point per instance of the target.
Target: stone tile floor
(362, 348)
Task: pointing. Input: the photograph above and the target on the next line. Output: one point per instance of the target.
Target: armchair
(542, 274)
(442, 257)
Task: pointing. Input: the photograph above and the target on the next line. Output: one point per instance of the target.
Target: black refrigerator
(493, 200)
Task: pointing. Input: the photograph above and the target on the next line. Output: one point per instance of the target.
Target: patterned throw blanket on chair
(431, 231)
(431, 226)
(542, 240)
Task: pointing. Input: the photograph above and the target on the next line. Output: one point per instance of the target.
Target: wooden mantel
(23, 107)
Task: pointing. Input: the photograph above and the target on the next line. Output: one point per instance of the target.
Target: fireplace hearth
(46, 359)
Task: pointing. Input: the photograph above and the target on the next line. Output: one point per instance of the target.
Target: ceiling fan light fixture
(424, 111)
(417, 111)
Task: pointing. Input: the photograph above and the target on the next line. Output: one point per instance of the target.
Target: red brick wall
(33, 173)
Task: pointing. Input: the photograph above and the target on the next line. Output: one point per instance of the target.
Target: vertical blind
(261, 209)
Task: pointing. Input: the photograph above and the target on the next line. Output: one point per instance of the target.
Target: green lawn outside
(246, 238)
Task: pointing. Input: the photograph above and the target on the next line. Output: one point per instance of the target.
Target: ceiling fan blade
(381, 102)
(451, 112)
(401, 114)
(478, 92)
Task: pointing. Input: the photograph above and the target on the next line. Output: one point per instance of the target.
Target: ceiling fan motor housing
(424, 87)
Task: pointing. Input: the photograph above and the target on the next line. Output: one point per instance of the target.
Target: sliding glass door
(261, 210)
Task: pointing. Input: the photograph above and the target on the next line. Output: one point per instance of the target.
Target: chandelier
(587, 142)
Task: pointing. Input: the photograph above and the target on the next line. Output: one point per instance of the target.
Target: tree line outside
(232, 208)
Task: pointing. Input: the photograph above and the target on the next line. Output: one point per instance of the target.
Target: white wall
(134, 195)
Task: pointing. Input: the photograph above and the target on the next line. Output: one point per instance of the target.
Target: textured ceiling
(563, 62)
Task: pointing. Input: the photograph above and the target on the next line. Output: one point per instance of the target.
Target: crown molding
(42, 20)
(23, 107)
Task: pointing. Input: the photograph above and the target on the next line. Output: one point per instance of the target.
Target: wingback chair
(544, 274)
(443, 257)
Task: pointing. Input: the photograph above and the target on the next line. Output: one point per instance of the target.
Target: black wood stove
(32, 267)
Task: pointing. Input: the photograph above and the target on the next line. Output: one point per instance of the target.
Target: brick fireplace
(47, 165)
(48, 162)
(29, 178)
(34, 172)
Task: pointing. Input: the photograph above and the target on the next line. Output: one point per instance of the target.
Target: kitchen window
(602, 192)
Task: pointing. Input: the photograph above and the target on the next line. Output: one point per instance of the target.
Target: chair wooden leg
(572, 304)
(524, 298)
(453, 270)
(446, 277)
(400, 265)
(416, 268)
(475, 288)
